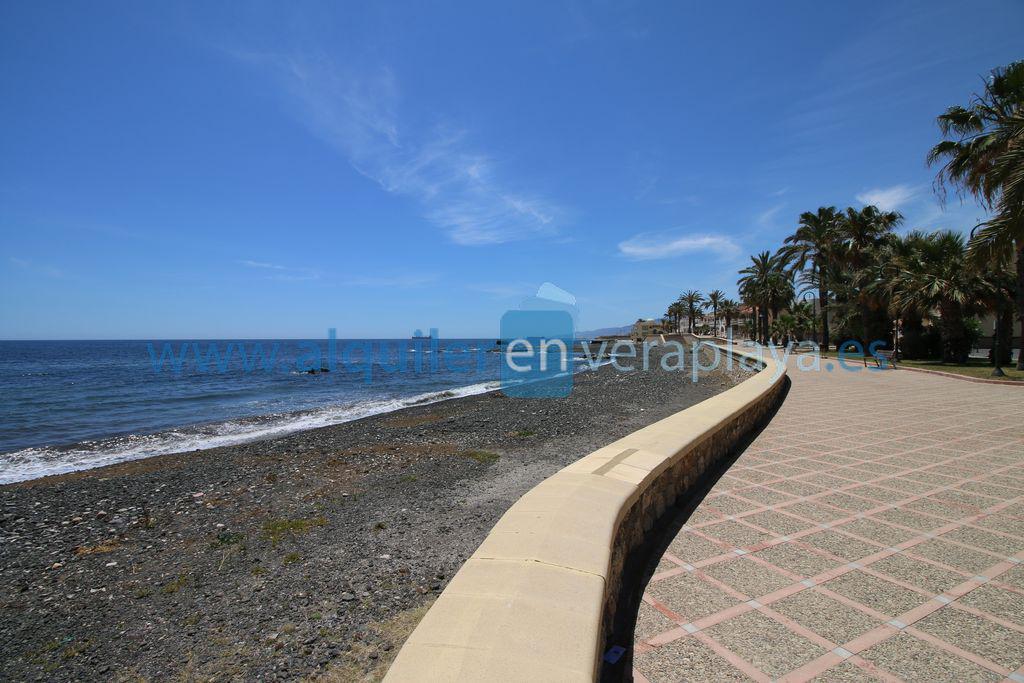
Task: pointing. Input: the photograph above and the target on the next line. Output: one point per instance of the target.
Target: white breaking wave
(32, 463)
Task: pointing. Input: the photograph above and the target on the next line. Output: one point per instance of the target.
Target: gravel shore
(308, 556)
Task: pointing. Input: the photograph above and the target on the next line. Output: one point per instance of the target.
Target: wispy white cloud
(766, 219)
(37, 268)
(358, 113)
(647, 246)
(283, 273)
(889, 198)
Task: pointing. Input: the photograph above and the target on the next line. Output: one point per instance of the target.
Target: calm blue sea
(79, 404)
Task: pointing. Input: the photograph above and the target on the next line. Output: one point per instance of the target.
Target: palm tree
(691, 299)
(766, 284)
(714, 302)
(730, 310)
(982, 154)
(674, 315)
(863, 232)
(932, 276)
(813, 244)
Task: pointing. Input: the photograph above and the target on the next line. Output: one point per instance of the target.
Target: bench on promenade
(884, 358)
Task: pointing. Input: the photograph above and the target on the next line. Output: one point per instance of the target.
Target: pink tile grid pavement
(873, 531)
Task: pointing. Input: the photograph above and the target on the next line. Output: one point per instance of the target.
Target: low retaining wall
(537, 599)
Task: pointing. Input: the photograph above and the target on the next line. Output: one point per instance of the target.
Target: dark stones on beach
(323, 538)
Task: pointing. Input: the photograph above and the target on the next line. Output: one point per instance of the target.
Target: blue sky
(271, 170)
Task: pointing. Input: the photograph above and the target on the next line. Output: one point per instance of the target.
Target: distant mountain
(604, 332)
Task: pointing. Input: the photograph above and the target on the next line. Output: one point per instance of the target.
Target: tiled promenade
(873, 531)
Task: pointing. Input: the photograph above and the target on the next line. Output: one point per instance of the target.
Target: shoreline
(298, 556)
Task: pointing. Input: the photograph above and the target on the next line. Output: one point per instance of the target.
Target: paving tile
(826, 617)
(778, 522)
(877, 531)
(690, 597)
(916, 660)
(827, 481)
(691, 548)
(844, 672)
(996, 601)
(665, 565)
(841, 545)
(918, 573)
(849, 502)
(765, 643)
(762, 495)
(735, 534)
(1001, 545)
(685, 659)
(881, 595)
(969, 498)
(994, 642)
(728, 505)
(955, 556)
(815, 512)
(651, 622)
(797, 488)
(703, 514)
(748, 577)
(793, 558)
(905, 517)
(941, 509)
(879, 493)
(1013, 577)
(1002, 522)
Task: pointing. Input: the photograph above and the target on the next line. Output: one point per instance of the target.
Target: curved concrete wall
(536, 601)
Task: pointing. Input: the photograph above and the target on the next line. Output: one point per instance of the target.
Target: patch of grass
(482, 457)
(226, 539)
(292, 558)
(258, 571)
(523, 433)
(380, 526)
(277, 529)
(409, 478)
(172, 587)
(142, 593)
(979, 368)
(104, 547)
(358, 665)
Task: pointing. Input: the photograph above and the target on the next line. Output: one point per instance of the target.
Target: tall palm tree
(730, 310)
(982, 154)
(714, 302)
(691, 299)
(813, 244)
(674, 315)
(863, 232)
(765, 283)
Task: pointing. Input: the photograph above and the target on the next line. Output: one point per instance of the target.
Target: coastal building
(644, 328)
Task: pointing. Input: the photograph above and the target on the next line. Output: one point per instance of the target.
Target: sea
(72, 405)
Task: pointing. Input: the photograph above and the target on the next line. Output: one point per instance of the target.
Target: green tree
(982, 154)
(766, 284)
(714, 301)
(730, 310)
(811, 250)
(931, 276)
(863, 232)
(692, 300)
